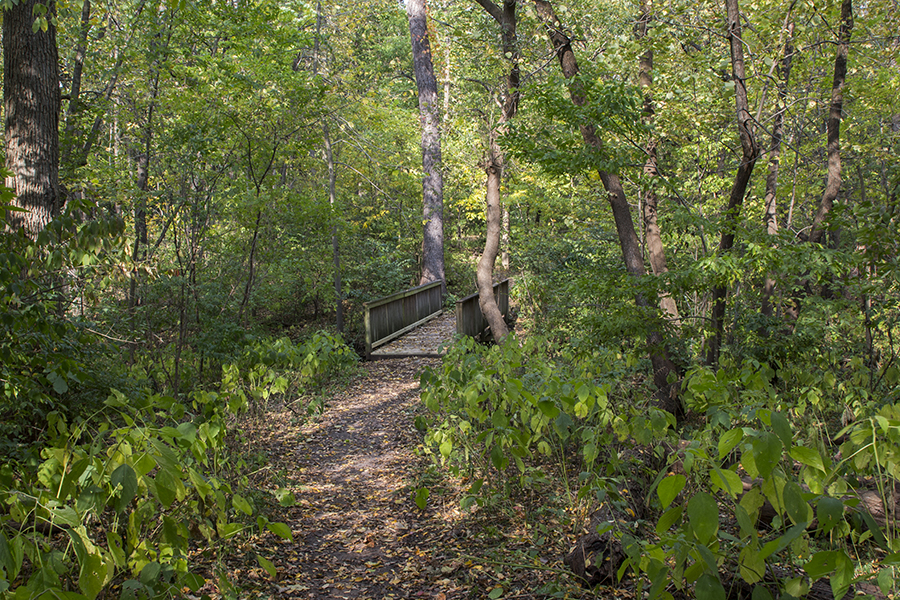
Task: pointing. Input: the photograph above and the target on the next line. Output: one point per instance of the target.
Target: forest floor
(357, 531)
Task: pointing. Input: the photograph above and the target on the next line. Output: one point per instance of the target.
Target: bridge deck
(425, 340)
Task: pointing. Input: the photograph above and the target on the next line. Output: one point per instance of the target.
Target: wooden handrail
(390, 317)
(470, 321)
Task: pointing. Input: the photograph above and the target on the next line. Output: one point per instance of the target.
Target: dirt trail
(357, 532)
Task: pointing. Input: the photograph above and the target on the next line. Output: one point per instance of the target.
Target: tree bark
(833, 143)
(485, 270)
(429, 114)
(663, 367)
(31, 102)
(484, 274)
(749, 155)
(655, 249)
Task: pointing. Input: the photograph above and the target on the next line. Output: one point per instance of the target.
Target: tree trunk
(771, 198)
(833, 144)
(655, 249)
(251, 273)
(31, 102)
(485, 271)
(663, 366)
(749, 154)
(506, 18)
(432, 181)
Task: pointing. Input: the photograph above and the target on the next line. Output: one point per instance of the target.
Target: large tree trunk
(833, 144)
(655, 249)
(663, 366)
(432, 181)
(749, 154)
(771, 198)
(31, 102)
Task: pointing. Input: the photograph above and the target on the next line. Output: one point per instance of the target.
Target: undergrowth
(114, 501)
(748, 493)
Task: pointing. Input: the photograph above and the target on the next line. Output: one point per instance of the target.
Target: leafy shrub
(503, 410)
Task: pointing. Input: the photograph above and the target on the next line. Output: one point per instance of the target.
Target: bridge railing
(390, 317)
(470, 321)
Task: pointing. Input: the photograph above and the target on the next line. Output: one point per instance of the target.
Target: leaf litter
(355, 527)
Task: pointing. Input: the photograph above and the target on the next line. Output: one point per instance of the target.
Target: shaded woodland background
(229, 174)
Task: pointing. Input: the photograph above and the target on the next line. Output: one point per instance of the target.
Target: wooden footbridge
(414, 323)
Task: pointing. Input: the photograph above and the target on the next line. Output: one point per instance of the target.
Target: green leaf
(766, 452)
(228, 530)
(761, 593)
(446, 448)
(703, 513)
(193, 581)
(727, 480)
(421, 498)
(752, 567)
(239, 503)
(779, 544)
(285, 497)
(709, 587)
(59, 382)
(796, 587)
(115, 546)
(821, 564)
(830, 512)
(6, 559)
(94, 575)
(150, 573)
(796, 507)
(496, 593)
(498, 459)
(843, 574)
(669, 488)
(807, 456)
(144, 464)
(728, 441)
(267, 566)
(124, 478)
(66, 515)
(166, 487)
(745, 522)
(885, 581)
(548, 408)
(669, 518)
(281, 530)
(782, 429)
